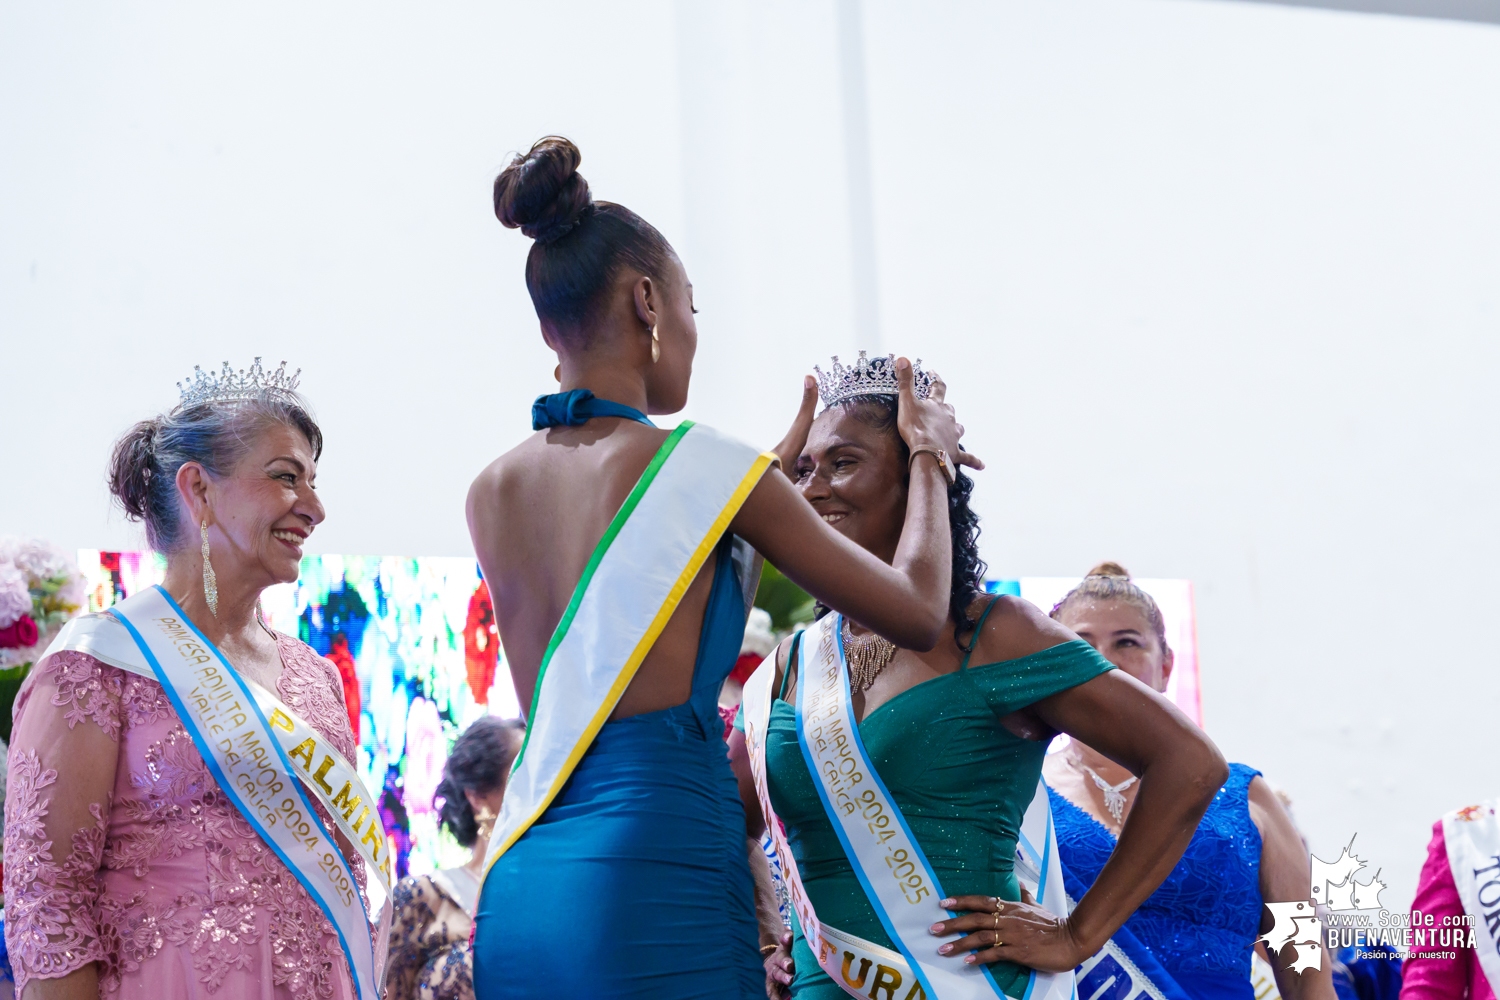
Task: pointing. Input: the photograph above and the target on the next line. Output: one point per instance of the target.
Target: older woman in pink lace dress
(128, 871)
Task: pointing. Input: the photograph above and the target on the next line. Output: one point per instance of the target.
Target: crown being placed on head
(868, 378)
(231, 384)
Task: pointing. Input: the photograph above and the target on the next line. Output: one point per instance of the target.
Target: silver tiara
(867, 377)
(230, 384)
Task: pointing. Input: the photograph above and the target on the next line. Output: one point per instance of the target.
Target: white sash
(891, 867)
(1109, 972)
(1472, 836)
(640, 570)
(248, 739)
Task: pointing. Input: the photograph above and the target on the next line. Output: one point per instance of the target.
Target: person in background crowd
(1447, 890)
(1367, 974)
(429, 954)
(129, 869)
(756, 646)
(1204, 920)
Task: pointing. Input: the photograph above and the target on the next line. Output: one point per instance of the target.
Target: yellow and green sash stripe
(637, 574)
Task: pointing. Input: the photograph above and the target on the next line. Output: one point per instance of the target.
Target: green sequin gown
(961, 778)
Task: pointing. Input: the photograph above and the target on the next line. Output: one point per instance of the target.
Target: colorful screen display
(416, 645)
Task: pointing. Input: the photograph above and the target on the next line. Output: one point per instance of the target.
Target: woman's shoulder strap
(791, 660)
(978, 630)
(1240, 776)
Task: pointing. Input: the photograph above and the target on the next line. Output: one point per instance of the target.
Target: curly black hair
(879, 411)
(480, 761)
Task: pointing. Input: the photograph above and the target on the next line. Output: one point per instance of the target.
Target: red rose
(19, 633)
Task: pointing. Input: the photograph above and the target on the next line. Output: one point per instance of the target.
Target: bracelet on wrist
(767, 949)
(937, 453)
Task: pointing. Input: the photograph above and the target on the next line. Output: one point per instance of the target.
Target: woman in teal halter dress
(958, 735)
(631, 880)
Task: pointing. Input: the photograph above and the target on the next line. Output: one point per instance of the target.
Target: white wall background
(1214, 285)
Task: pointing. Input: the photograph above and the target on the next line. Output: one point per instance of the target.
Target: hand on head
(795, 438)
(932, 421)
(929, 422)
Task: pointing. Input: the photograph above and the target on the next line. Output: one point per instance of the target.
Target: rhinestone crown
(869, 377)
(230, 384)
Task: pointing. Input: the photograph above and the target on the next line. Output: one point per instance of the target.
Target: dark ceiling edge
(1478, 11)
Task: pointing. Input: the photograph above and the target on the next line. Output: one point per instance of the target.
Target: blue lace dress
(1202, 922)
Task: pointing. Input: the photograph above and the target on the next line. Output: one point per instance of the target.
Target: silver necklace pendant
(867, 656)
(1114, 799)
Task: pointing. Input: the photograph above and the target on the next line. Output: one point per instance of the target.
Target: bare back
(536, 514)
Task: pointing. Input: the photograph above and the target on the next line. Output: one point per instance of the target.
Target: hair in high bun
(581, 244)
(479, 763)
(543, 194)
(1109, 581)
(143, 467)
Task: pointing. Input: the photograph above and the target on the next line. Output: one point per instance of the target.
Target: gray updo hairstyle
(216, 435)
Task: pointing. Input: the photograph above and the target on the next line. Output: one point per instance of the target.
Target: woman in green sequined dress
(958, 735)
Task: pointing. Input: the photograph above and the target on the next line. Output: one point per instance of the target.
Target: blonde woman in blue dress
(618, 865)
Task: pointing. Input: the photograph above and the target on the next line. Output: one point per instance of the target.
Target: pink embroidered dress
(120, 848)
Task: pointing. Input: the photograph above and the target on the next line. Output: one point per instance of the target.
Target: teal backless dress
(634, 883)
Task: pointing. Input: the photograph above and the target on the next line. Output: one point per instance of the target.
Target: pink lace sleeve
(64, 750)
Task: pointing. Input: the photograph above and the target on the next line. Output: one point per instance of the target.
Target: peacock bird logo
(1334, 884)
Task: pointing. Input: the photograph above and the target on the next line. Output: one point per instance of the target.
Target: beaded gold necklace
(867, 654)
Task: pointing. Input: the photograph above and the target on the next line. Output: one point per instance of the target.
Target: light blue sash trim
(955, 988)
(362, 963)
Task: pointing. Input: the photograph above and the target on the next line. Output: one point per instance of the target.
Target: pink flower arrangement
(40, 589)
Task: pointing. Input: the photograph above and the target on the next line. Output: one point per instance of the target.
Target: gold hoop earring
(557, 374)
(485, 821)
(210, 582)
(655, 346)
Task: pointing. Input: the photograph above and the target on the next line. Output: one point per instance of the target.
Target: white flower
(75, 592)
(39, 560)
(15, 598)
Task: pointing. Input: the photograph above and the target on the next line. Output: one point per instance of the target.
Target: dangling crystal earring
(655, 346)
(210, 582)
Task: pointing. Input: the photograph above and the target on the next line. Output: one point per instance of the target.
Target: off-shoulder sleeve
(1010, 685)
(61, 773)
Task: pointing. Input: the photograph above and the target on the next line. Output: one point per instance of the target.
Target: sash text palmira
(230, 722)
